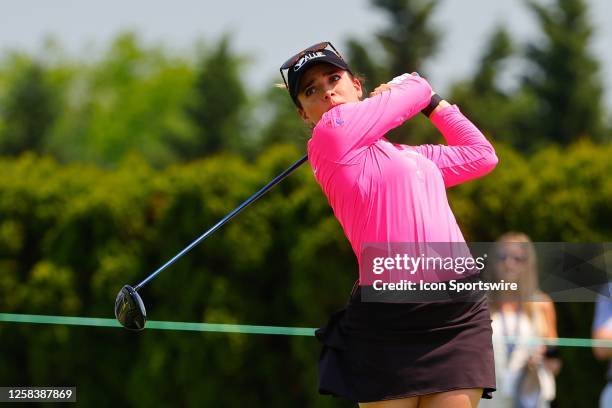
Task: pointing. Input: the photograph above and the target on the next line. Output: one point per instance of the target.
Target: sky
(270, 30)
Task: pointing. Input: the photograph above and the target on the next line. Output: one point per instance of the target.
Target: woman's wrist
(436, 103)
(443, 104)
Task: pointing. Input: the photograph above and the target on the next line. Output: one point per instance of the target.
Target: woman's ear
(303, 115)
(358, 87)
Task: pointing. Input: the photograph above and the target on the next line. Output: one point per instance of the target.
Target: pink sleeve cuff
(437, 118)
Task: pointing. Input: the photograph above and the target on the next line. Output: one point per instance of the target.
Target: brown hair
(532, 299)
(528, 279)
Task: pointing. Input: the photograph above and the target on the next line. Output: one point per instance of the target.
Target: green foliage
(505, 116)
(282, 124)
(497, 50)
(407, 41)
(217, 108)
(127, 102)
(134, 99)
(28, 108)
(410, 38)
(555, 195)
(364, 65)
(564, 76)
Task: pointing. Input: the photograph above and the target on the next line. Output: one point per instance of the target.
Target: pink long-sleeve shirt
(385, 192)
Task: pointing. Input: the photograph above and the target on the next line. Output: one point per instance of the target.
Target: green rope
(250, 329)
(152, 324)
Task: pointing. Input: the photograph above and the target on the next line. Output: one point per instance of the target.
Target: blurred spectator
(602, 330)
(525, 371)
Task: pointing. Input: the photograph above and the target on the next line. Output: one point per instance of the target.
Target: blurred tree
(371, 71)
(28, 110)
(407, 41)
(128, 101)
(506, 115)
(564, 76)
(218, 108)
(282, 124)
(410, 38)
(498, 49)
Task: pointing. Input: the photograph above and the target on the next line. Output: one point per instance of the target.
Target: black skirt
(381, 351)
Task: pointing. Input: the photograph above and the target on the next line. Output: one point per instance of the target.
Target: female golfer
(432, 354)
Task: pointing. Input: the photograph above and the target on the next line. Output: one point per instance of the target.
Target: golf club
(129, 307)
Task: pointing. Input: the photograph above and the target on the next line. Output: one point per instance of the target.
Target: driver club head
(129, 309)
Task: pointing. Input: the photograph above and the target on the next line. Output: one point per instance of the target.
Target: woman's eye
(309, 91)
(335, 77)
